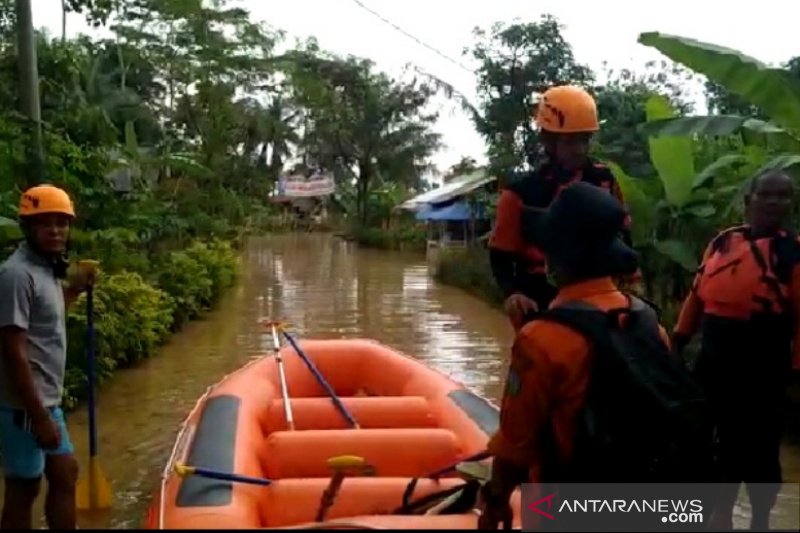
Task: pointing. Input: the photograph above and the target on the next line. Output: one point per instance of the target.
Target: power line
(419, 41)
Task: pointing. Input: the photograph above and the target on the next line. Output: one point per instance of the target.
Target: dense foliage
(170, 136)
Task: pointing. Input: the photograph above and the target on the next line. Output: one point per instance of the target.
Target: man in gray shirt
(33, 345)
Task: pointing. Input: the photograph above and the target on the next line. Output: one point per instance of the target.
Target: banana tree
(9, 231)
(775, 91)
(673, 214)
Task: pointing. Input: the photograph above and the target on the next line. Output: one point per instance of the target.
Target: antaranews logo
(614, 507)
(674, 511)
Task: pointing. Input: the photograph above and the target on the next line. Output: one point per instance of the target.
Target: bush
(186, 280)
(220, 263)
(469, 269)
(117, 249)
(131, 318)
(404, 237)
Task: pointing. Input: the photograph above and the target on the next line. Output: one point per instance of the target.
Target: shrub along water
(402, 237)
(135, 312)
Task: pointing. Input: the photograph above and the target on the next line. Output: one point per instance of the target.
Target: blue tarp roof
(455, 211)
(458, 186)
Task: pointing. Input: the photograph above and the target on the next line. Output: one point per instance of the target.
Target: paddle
(340, 466)
(185, 470)
(337, 464)
(322, 381)
(92, 491)
(276, 347)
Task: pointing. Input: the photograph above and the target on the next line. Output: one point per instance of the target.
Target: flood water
(325, 288)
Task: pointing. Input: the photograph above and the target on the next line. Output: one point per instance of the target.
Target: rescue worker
(745, 301)
(567, 118)
(33, 433)
(550, 365)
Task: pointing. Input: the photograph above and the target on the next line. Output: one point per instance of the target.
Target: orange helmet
(567, 109)
(45, 199)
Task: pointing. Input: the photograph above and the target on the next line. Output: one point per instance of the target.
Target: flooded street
(325, 288)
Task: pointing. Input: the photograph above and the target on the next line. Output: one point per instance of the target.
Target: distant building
(456, 214)
(305, 197)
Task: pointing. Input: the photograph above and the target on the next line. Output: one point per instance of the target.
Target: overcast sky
(598, 31)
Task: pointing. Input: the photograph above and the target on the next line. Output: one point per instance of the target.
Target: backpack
(645, 419)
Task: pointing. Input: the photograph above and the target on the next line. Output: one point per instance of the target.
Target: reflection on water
(323, 287)
(328, 288)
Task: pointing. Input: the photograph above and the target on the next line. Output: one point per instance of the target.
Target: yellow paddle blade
(342, 463)
(279, 324)
(93, 490)
(346, 461)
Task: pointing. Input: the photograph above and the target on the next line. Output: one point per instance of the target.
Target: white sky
(598, 31)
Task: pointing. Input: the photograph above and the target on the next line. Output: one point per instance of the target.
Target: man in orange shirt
(543, 436)
(567, 118)
(746, 302)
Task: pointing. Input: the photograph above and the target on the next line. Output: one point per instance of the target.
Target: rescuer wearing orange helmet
(33, 433)
(567, 118)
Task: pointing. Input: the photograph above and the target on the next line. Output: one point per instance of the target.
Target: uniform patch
(513, 383)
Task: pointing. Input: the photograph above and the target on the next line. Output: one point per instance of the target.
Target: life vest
(743, 277)
(539, 189)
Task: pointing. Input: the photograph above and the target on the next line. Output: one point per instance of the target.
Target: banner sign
(298, 186)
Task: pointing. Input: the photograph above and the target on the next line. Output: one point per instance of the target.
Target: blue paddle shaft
(321, 380)
(213, 474)
(90, 355)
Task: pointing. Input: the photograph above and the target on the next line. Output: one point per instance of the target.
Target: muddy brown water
(325, 288)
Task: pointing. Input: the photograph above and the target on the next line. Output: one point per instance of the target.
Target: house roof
(457, 211)
(460, 185)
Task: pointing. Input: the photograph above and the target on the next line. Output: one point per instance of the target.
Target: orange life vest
(743, 276)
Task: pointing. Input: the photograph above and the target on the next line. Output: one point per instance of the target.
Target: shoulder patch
(513, 383)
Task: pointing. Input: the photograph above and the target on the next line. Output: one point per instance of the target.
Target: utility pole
(29, 92)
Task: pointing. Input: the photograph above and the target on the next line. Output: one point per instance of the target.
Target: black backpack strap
(784, 251)
(466, 501)
(597, 324)
(720, 243)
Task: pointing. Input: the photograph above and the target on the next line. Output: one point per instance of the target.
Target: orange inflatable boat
(411, 421)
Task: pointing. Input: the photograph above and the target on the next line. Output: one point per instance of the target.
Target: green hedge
(403, 237)
(469, 269)
(136, 312)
